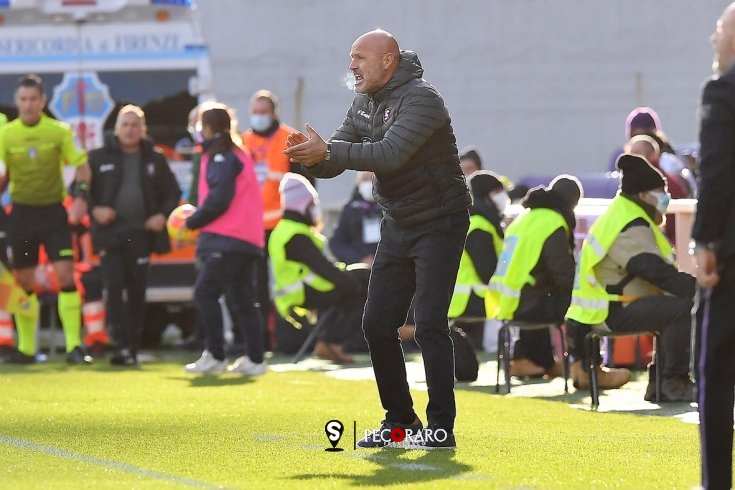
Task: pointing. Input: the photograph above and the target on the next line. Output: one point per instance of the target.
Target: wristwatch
(328, 154)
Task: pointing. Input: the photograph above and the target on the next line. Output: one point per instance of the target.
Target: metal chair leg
(499, 358)
(506, 357)
(591, 340)
(305, 346)
(656, 344)
(565, 359)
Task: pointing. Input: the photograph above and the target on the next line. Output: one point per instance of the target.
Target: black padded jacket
(403, 133)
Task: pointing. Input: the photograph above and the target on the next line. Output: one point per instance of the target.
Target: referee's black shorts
(29, 227)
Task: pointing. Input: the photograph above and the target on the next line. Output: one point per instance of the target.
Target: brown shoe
(555, 371)
(675, 389)
(332, 352)
(607, 378)
(525, 368)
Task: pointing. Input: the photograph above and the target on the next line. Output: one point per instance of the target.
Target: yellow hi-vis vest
(524, 241)
(590, 299)
(468, 280)
(290, 276)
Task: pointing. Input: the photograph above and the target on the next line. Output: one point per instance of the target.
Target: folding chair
(592, 347)
(504, 351)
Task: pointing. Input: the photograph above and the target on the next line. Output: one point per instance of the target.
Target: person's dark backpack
(466, 365)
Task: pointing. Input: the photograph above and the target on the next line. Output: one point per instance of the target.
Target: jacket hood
(540, 197)
(409, 68)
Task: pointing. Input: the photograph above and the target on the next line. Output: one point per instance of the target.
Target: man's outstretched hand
(306, 150)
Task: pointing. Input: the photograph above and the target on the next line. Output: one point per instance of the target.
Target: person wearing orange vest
(266, 140)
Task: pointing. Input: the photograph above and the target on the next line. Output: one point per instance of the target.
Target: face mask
(663, 199)
(366, 190)
(501, 200)
(260, 122)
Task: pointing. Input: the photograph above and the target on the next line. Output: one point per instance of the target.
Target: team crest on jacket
(151, 168)
(386, 114)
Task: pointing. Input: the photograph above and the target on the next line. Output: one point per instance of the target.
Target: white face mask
(501, 200)
(366, 190)
(662, 199)
(260, 122)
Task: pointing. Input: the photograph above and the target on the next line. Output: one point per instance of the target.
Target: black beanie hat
(483, 182)
(638, 174)
(568, 187)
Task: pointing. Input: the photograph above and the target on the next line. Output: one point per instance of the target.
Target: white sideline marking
(105, 463)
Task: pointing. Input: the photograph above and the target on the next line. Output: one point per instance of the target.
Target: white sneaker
(207, 364)
(243, 365)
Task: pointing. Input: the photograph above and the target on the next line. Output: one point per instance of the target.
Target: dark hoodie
(479, 244)
(416, 163)
(554, 273)
(348, 240)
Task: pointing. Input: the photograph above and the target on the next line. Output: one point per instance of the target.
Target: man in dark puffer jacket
(399, 128)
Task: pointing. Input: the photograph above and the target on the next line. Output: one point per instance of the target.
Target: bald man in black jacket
(399, 128)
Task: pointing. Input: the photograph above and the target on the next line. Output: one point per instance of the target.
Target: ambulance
(95, 56)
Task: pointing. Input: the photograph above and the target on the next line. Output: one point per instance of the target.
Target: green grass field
(156, 427)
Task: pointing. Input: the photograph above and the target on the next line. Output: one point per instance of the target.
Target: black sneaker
(432, 437)
(17, 357)
(78, 356)
(389, 433)
(124, 357)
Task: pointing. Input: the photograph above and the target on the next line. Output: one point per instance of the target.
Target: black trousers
(666, 314)
(421, 261)
(233, 273)
(535, 345)
(339, 312)
(715, 371)
(125, 273)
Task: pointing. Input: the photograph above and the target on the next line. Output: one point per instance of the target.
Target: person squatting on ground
(627, 278)
(481, 251)
(535, 273)
(714, 235)
(35, 148)
(399, 128)
(304, 276)
(230, 220)
(133, 192)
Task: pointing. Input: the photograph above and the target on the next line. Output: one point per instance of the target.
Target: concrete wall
(539, 86)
